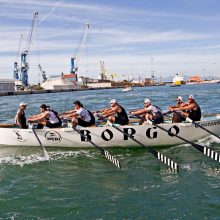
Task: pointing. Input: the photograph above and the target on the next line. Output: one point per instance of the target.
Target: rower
(149, 112)
(191, 109)
(79, 115)
(177, 118)
(20, 118)
(46, 118)
(115, 114)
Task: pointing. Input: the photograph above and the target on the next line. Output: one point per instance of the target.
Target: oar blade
(158, 155)
(46, 154)
(211, 153)
(104, 152)
(170, 163)
(112, 159)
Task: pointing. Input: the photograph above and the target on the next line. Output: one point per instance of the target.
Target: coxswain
(115, 114)
(20, 118)
(191, 109)
(150, 112)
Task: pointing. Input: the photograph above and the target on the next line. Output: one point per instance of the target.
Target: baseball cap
(43, 106)
(191, 97)
(113, 101)
(147, 101)
(179, 98)
(22, 104)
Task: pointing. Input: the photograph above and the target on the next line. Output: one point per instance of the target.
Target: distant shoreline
(13, 93)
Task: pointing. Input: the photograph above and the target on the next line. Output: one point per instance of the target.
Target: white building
(58, 83)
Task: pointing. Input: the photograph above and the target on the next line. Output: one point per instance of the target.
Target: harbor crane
(79, 51)
(43, 73)
(25, 56)
(16, 69)
(107, 75)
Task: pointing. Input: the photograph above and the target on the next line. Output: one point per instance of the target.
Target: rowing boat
(108, 136)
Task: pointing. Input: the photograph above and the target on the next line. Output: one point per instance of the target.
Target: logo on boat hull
(53, 137)
(18, 136)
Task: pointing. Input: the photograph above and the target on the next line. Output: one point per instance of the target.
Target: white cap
(22, 104)
(191, 96)
(113, 101)
(179, 98)
(147, 101)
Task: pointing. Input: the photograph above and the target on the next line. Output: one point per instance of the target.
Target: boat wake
(21, 160)
(36, 157)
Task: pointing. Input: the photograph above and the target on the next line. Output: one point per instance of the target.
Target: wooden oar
(44, 150)
(198, 125)
(158, 155)
(104, 152)
(205, 150)
(7, 125)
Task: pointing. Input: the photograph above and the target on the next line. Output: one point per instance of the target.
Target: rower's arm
(188, 107)
(139, 112)
(67, 113)
(37, 117)
(102, 111)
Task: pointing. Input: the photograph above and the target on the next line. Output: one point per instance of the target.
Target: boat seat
(91, 126)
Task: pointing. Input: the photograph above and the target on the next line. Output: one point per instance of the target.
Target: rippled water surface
(82, 184)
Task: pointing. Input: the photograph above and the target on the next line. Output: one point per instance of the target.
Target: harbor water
(82, 184)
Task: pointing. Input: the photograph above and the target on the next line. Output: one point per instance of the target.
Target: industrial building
(7, 85)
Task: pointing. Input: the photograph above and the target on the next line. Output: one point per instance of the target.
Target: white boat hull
(108, 136)
(126, 89)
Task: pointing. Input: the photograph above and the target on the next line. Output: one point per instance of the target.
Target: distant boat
(127, 88)
(174, 85)
(178, 80)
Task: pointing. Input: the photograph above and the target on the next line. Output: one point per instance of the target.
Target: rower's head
(191, 98)
(147, 102)
(77, 104)
(43, 108)
(23, 105)
(113, 102)
(179, 99)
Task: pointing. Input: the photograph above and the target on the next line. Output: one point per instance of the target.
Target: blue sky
(182, 36)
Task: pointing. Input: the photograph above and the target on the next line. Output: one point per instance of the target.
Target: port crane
(16, 69)
(107, 75)
(25, 56)
(43, 73)
(79, 51)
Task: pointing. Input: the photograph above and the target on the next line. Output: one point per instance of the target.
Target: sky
(132, 38)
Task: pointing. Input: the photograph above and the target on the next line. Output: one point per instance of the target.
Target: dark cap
(78, 103)
(43, 106)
